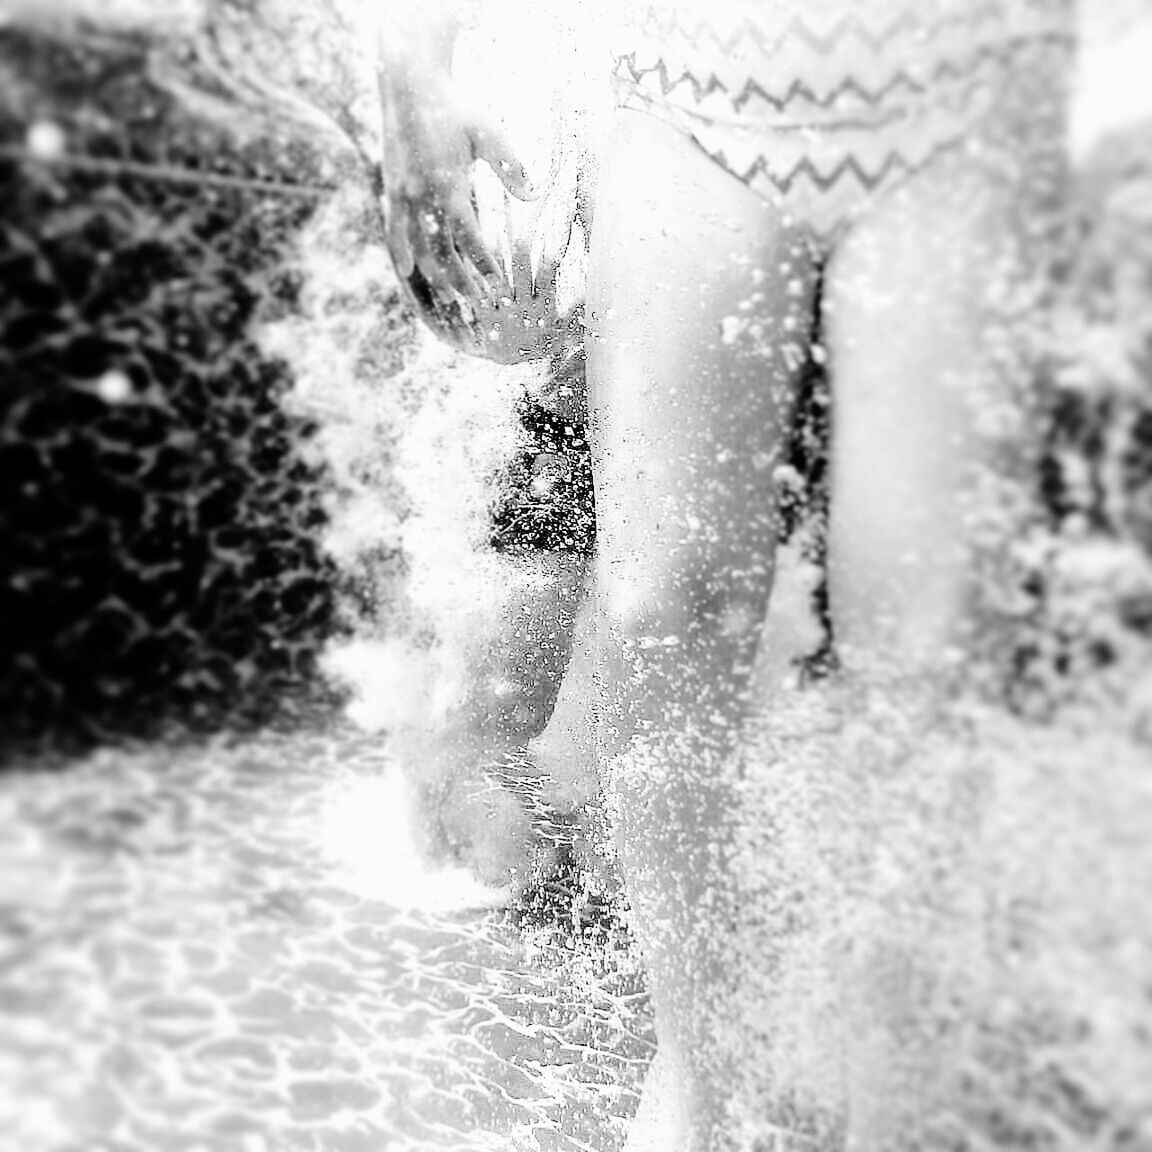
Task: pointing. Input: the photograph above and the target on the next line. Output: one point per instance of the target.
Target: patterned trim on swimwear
(817, 116)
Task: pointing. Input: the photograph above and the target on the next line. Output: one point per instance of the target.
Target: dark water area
(159, 521)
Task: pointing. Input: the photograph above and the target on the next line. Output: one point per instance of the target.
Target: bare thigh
(699, 303)
(933, 306)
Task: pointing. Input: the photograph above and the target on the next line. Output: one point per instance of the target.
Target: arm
(416, 35)
(430, 143)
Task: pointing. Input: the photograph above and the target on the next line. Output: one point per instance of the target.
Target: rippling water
(192, 957)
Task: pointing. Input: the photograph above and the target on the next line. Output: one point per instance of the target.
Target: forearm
(417, 36)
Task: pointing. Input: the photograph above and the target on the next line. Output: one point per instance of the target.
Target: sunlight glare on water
(369, 832)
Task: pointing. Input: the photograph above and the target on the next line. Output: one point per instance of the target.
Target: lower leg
(509, 678)
(565, 751)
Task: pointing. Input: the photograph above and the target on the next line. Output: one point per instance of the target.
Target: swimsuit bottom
(818, 105)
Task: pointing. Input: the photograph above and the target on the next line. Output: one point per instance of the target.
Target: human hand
(517, 321)
(464, 291)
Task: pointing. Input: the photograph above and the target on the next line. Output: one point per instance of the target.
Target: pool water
(192, 957)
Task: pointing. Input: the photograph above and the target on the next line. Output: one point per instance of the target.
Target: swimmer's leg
(479, 794)
(922, 414)
(935, 314)
(699, 306)
(933, 311)
(565, 751)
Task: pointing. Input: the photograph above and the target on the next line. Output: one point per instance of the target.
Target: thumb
(490, 145)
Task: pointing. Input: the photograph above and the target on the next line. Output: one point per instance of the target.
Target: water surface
(192, 957)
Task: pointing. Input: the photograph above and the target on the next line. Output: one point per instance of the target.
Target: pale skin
(483, 305)
(687, 428)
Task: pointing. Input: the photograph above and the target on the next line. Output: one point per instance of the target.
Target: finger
(489, 145)
(396, 219)
(466, 235)
(554, 224)
(535, 278)
(523, 279)
(546, 276)
(432, 290)
(423, 299)
(436, 257)
(455, 271)
(451, 328)
(445, 321)
(478, 258)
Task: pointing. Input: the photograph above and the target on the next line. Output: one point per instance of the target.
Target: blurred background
(163, 515)
(159, 521)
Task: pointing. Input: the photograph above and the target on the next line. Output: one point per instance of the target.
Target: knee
(683, 601)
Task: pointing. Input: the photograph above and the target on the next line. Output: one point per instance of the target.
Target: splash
(369, 834)
(949, 930)
(413, 438)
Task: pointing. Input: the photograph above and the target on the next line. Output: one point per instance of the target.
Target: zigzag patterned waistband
(817, 119)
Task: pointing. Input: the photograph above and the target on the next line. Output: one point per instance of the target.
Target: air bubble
(45, 139)
(114, 387)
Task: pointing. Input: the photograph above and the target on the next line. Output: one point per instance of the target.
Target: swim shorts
(817, 105)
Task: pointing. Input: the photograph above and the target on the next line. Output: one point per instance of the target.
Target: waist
(821, 63)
